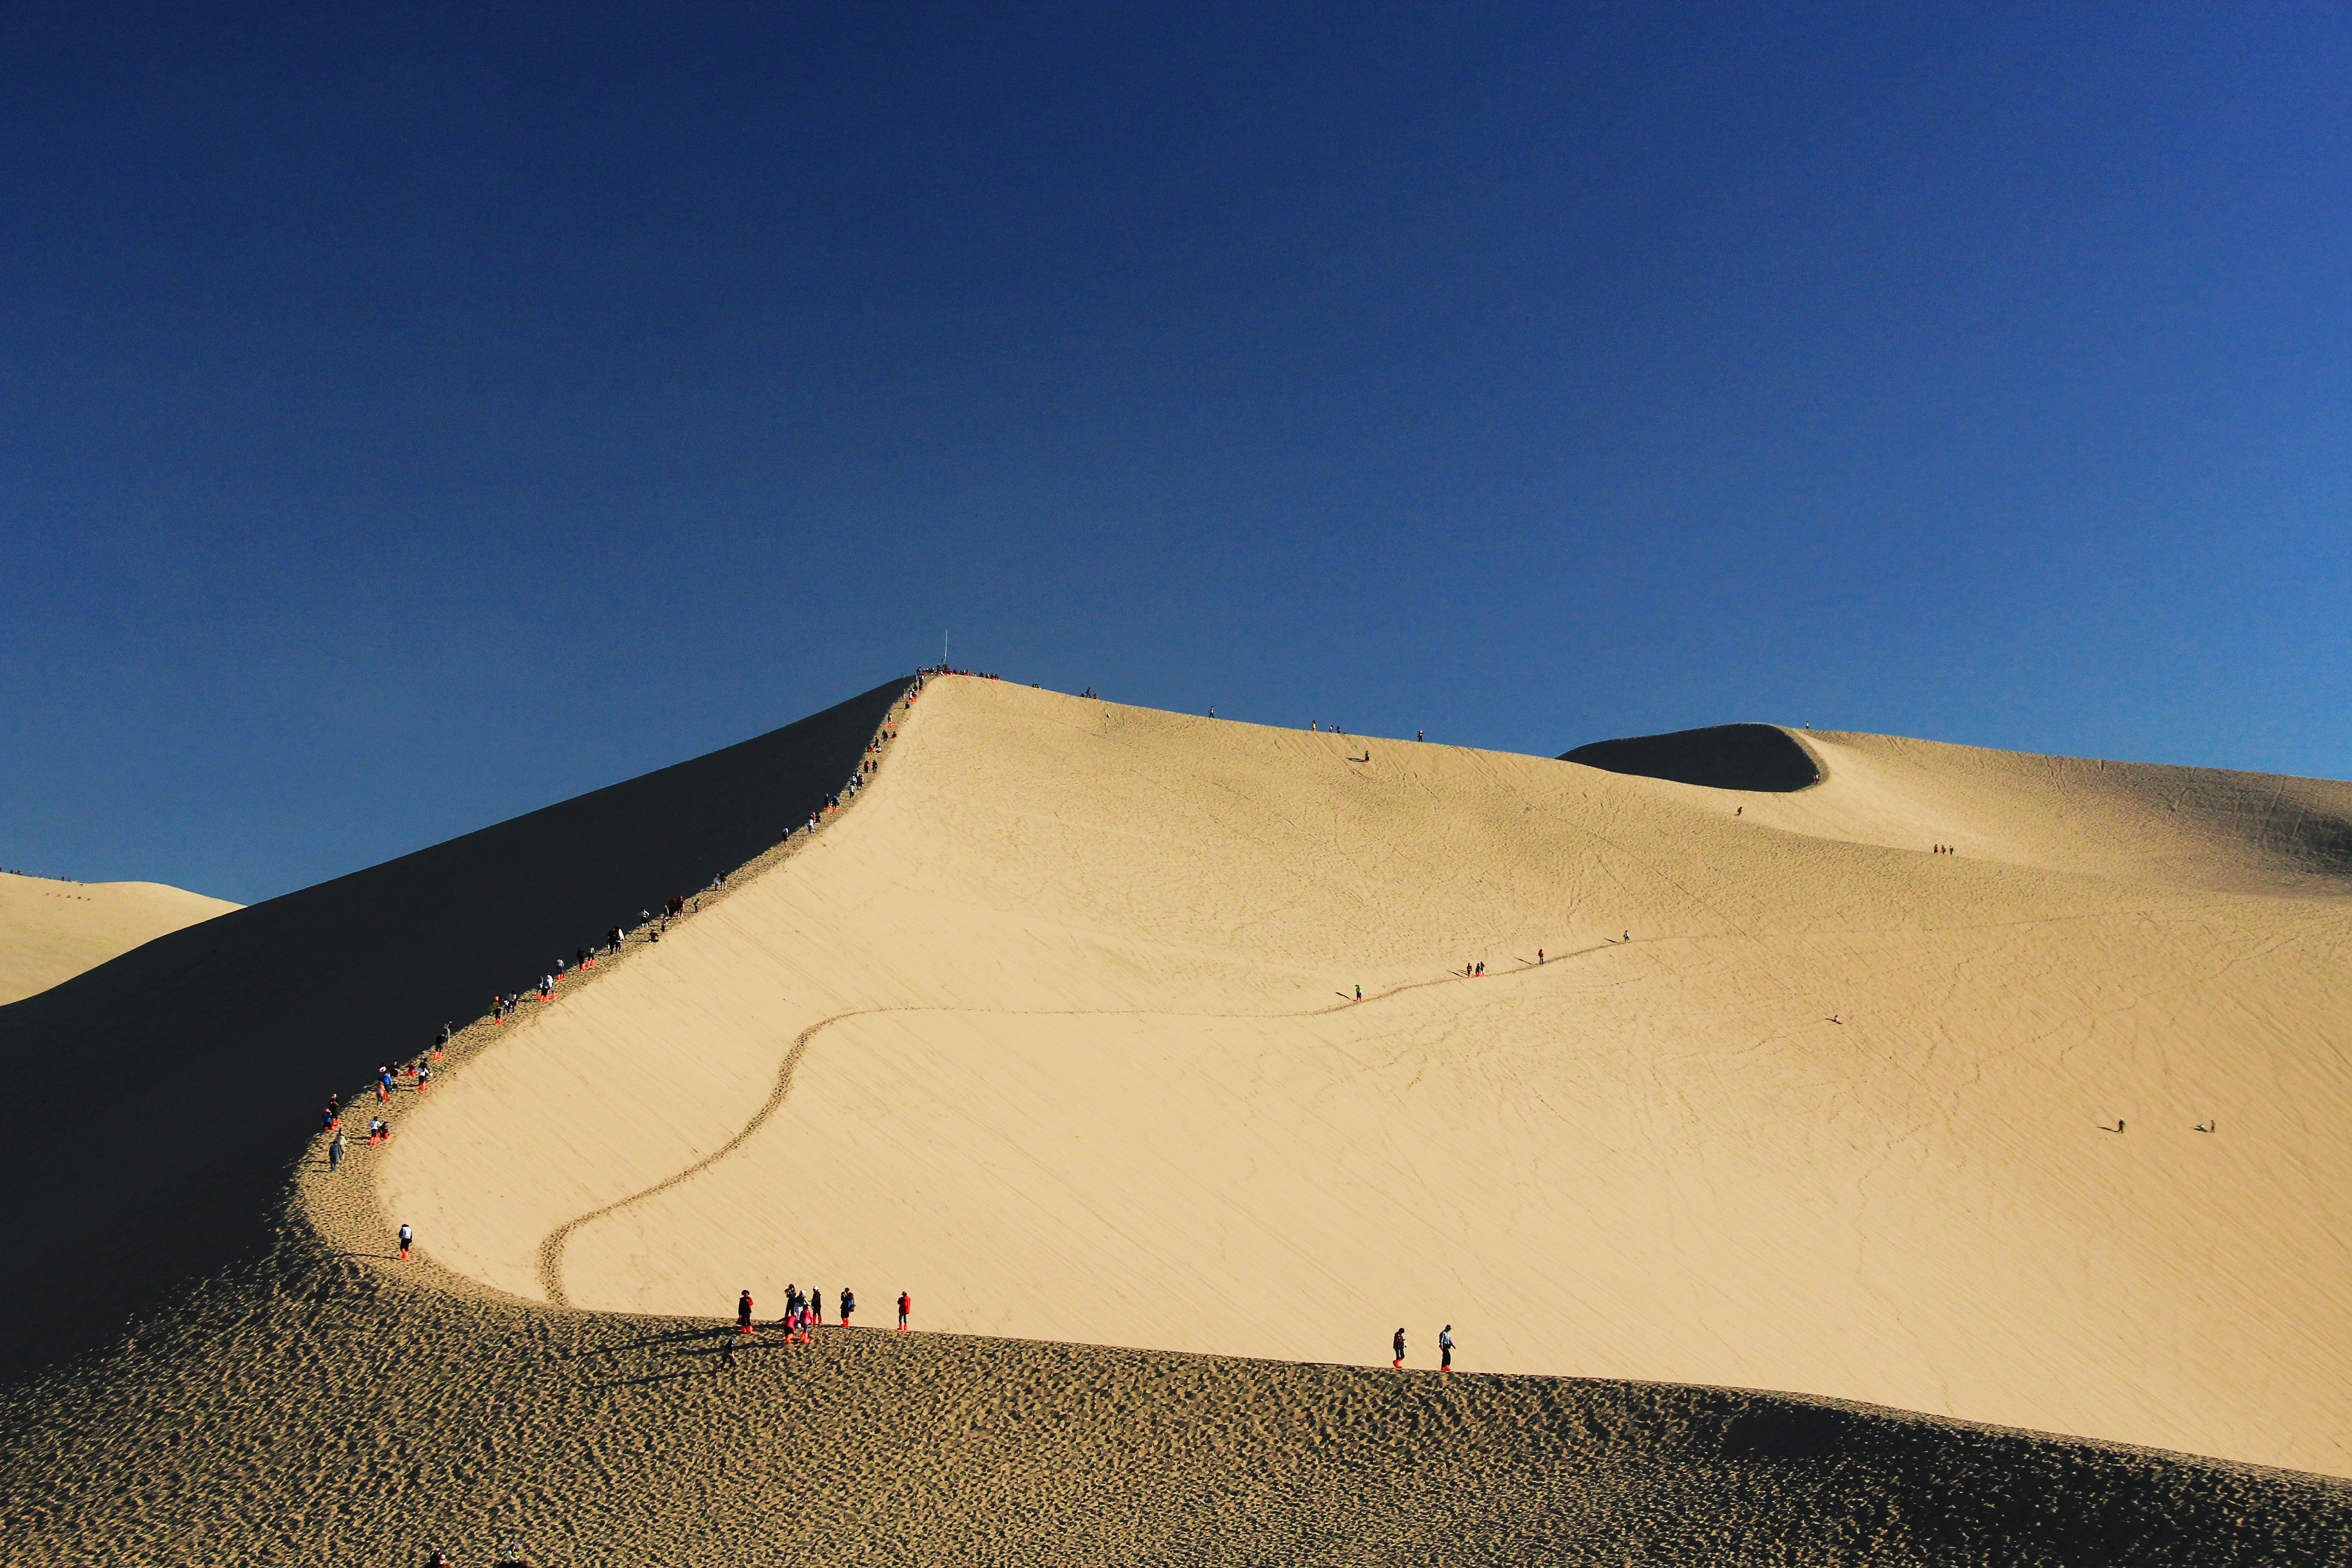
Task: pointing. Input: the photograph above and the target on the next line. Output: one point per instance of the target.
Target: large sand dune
(52, 930)
(1057, 1028)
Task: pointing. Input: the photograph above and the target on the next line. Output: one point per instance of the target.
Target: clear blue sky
(411, 415)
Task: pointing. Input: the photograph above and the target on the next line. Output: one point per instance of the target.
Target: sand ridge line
(330, 1218)
(550, 1250)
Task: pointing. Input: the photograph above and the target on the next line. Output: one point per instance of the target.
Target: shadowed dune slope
(1757, 757)
(52, 930)
(1058, 1027)
(156, 1102)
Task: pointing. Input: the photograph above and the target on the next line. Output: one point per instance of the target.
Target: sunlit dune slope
(157, 1103)
(1056, 1029)
(52, 930)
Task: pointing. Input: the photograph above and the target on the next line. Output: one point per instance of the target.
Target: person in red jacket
(905, 1305)
(743, 1312)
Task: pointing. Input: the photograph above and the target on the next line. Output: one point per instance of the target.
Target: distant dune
(52, 930)
(1057, 1026)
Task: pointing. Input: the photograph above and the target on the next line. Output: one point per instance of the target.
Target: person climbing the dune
(335, 1152)
(906, 1308)
(407, 1239)
(1398, 1344)
(1539, 956)
(848, 1304)
(743, 1312)
(1445, 1349)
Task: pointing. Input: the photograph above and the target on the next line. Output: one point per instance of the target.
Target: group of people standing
(804, 1310)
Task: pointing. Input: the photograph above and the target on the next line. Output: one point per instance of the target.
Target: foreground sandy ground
(51, 931)
(1056, 1026)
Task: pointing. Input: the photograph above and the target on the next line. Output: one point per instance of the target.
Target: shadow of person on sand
(722, 1355)
(673, 1336)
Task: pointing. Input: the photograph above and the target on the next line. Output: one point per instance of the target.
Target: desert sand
(1057, 1027)
(1068, 1008)
(51, 931)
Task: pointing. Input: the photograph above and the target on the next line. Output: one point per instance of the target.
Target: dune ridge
(218, 1043)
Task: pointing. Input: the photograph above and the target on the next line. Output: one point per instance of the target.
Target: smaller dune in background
(50, 931)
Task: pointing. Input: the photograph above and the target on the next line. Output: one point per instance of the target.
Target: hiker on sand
(1399, 1362)
(795, 1309)
(906, 1308)
(408, 1239)
(335, 1152)
(1540, 955)
(1445, 1348)
(848, 1304)
(743, 1312)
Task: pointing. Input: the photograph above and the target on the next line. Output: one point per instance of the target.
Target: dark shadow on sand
(1760, 757)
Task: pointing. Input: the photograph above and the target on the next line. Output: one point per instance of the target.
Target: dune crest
(1059, 1028)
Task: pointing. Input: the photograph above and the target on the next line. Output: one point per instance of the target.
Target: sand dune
(157, 1103)
(1058, 1027)
(52, 930)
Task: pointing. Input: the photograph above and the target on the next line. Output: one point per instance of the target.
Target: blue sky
(409, 417)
